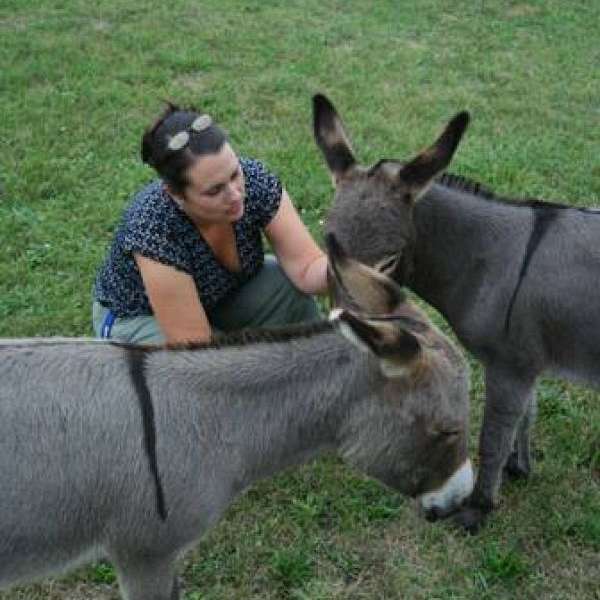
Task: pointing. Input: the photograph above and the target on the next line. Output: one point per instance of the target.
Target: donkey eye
(449, 434)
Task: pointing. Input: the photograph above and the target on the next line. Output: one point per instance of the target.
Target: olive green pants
(268, 299)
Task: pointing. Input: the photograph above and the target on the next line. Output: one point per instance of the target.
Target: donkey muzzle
(445, 500)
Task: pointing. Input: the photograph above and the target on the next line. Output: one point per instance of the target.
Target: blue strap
(107, 324)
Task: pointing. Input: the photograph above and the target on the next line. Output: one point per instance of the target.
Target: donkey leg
(519, 463)
(148, 579)
(508, 395)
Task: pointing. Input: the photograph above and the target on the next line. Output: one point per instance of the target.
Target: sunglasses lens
(201, 123)
(178, 141)
(181, 139)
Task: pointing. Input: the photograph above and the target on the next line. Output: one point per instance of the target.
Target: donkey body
(133, 452)
(517, 281)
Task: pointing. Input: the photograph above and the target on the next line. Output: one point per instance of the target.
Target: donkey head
(408, 427)
(372, 210)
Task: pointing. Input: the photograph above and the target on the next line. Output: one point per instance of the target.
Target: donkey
(516, 280)
(133, 452)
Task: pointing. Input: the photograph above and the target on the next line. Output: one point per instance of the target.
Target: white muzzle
(444, 500)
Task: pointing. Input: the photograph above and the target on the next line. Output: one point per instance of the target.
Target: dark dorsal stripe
(137, 370)
(543, 216)
(464, 184)
(461, 183)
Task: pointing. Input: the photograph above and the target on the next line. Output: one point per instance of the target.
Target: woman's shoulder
(152, 209)
(151, 200)
(263, 190)
(152, 220)
(153, 227)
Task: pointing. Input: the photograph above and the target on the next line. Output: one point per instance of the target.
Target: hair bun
(147, 150)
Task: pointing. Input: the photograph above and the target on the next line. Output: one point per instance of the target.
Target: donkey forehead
(369, 231)
(368, 210)
(383, 174)
(386, 169)
(368, 188)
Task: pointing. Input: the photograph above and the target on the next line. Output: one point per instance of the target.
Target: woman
(187, 257)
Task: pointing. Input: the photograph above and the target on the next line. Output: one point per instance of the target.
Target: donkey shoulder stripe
(543, 216)
(137, 370)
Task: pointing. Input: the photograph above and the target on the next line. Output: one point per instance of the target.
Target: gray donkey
(516, 280)
(133, 452)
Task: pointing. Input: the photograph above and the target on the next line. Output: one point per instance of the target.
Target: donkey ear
(331, 137)
(420, 171)
(395, 345)
(358, 286)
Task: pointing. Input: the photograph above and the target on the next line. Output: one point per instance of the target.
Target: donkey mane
(465, 184)
(242, 337)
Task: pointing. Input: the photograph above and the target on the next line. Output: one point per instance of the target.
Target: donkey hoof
(176, 592)
(514, 471)
(470, 519)
(432, 515)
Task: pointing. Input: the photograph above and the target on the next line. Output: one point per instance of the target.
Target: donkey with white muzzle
(133, 452)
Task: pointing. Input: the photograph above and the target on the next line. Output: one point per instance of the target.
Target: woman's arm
(175, 302)
(300, 257)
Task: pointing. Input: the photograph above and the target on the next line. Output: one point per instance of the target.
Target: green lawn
(79, 82)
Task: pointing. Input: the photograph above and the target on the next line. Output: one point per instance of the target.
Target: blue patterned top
(154, 226)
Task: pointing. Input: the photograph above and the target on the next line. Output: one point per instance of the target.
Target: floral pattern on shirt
(154, 226)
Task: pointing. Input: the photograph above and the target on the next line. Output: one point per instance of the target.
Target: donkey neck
(463, 242)
(275, 405)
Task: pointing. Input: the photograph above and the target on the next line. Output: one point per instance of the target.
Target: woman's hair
(172, 165)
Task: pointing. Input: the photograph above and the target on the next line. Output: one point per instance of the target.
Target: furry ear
(355, 285)
(331, 137)
(397, 347)
(421, 170)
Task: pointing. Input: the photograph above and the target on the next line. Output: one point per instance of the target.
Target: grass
(80, 82)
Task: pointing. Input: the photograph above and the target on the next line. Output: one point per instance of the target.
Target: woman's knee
(268, 299)
(134, 330)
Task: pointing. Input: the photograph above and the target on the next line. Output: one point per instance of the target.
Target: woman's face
(215, 193)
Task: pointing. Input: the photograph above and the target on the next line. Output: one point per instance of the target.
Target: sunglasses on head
(181, 140)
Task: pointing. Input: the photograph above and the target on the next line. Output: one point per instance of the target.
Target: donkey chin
(448, 498)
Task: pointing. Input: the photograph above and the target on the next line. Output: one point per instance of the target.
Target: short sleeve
(263, 191)
(149, 229)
